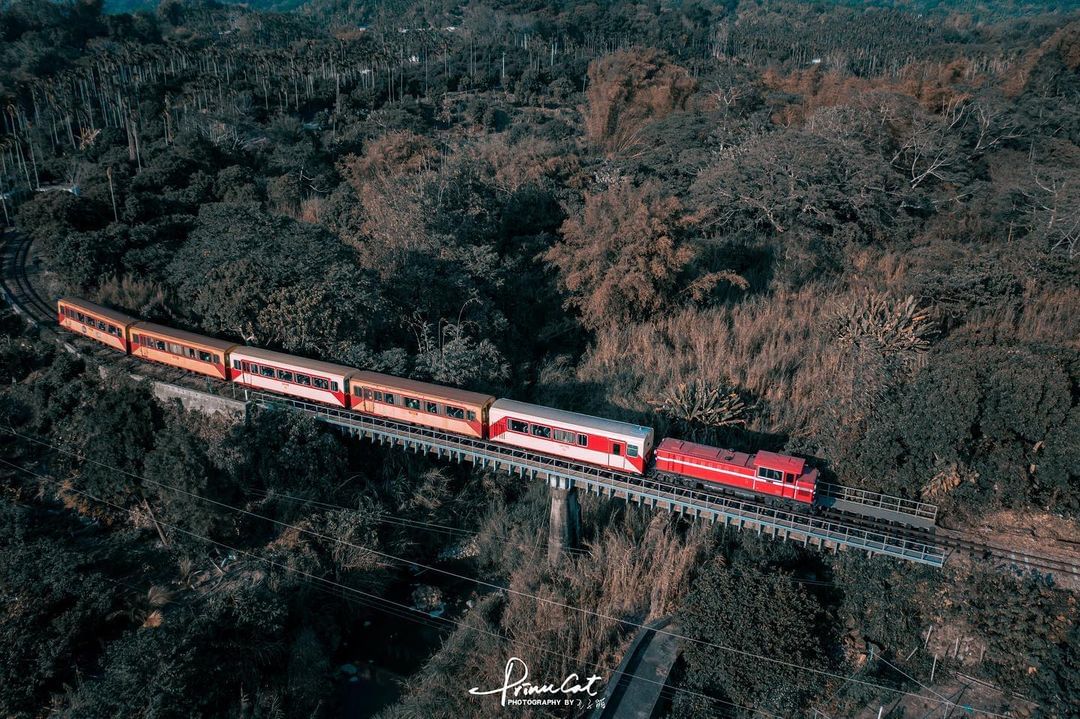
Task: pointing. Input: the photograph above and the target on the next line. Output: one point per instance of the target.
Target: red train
(619, 446)
(777, 475)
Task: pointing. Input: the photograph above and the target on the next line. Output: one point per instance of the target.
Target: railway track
(956, 542)
(25, 298)
(19, 290)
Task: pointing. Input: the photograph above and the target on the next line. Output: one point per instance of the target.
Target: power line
(384, 518)
(408, 610)
(499, 587)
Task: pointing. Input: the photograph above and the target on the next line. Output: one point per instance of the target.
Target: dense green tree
(270, 281)
(288, 453)
(992, 412)
(745, 609)
(57, 604)
(105, 438)
(180, 476)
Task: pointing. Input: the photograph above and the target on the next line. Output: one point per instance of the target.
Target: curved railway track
(24, 297)
(20, 291)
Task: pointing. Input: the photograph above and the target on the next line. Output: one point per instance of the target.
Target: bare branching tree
(931, 147)
(1054, 211)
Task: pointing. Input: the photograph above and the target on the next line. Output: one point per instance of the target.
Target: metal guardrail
(895, 505)
(642, 489)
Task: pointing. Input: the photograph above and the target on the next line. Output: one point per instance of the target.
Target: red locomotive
(775, 475)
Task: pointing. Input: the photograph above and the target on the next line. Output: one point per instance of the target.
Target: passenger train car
(593, 440)
(288, 374)
(187, 350)
(432, 405)
(106, 326)
(606, 443)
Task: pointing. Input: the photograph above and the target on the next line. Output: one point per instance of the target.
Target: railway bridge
(850, 519)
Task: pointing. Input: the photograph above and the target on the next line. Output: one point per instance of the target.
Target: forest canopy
(844, 230)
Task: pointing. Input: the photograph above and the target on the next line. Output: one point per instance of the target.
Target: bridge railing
(644, 489)
(897, 505)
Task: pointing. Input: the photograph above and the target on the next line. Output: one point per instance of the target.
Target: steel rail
(19, 291)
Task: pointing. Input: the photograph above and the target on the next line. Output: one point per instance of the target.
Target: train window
(175, 348)
(81, 318)
(159, 345)
(389, 398)
(541, 431)
(334, 386)
(357, 391)
(561, 435)
(412, 403)
(113, 331)
(368, 394)
(320, 383)
(616, 448)
(284, 375)
(266, 371)
(101, 325)
(455, 412)
(236, 365)
(583, 440)
(217, 360)
(517, 425)
(470, 415)
(631, 450)
(378, 396)
(772, 474)
(431, 407)
(303, 379)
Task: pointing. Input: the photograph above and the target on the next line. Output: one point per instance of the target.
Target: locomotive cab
(787, 475)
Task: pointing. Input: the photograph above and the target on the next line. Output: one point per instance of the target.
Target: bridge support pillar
(564, 526)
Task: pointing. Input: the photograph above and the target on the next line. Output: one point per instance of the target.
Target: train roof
(258, 353)
(536, 411)
(704, 451)
(782, 462)
(771, 460)
(426, 389)
(98, 310)
(184, 336)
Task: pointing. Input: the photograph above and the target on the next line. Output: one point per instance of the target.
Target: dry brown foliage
(1065, 42)
(620, 259)
(696, 406)
(933, 85)
(1044, 315)
(512, 166)
(895, 327)
(393, 154)
(776, 348)
(623, 576)
(627, 90)
(948, 478)
(134, 294)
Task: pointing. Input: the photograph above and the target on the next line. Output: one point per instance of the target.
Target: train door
(616, 454)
